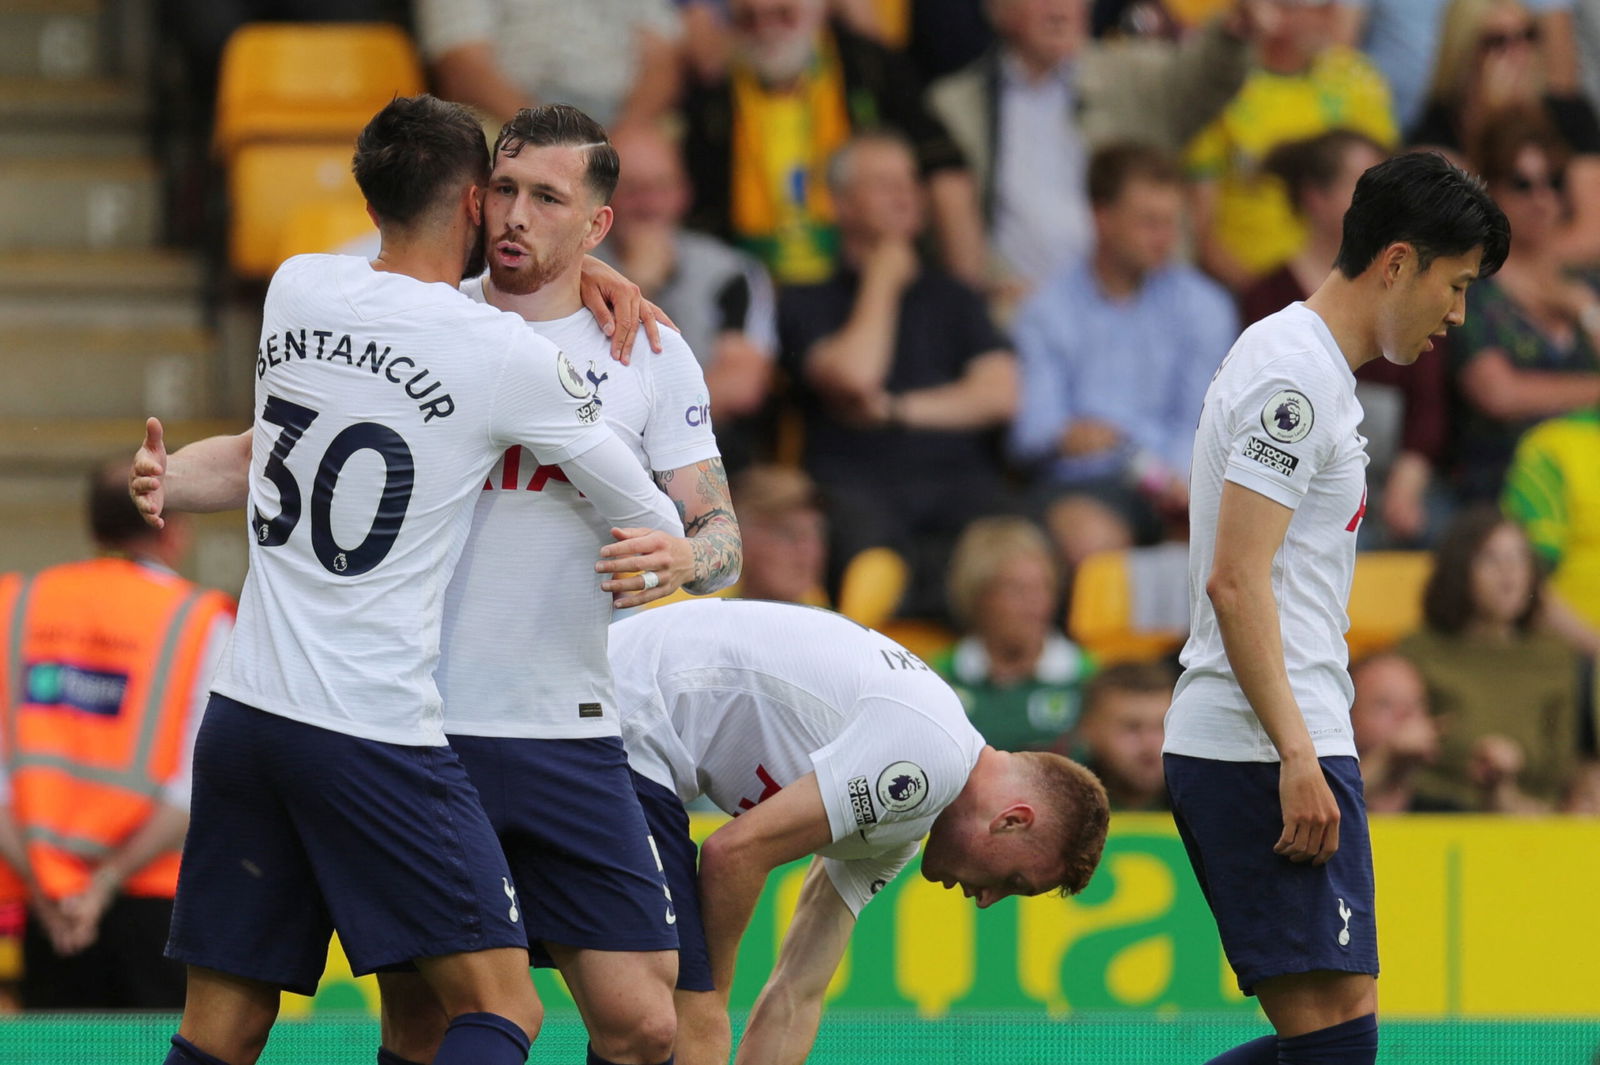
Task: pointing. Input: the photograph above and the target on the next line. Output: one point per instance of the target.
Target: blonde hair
(1459, 33)
(984, 545)
(1078, 811)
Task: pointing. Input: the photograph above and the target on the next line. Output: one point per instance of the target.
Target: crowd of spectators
(958, 273)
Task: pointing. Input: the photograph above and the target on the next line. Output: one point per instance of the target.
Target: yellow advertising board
(1476, 917)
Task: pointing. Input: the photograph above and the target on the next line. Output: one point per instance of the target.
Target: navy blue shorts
(296, 831)
(1276, 917)
(669, 827)
(576, 841)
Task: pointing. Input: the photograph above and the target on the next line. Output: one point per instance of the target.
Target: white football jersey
(382, 402)
(1280, 418)
(525, 617)
(738, 698)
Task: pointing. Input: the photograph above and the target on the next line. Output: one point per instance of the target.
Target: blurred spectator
(1020, 679)
(1495, 60)
(1582, 794)
(1405, 39)
(1029, 113)
(111, 662)
(1303, 84)
(1119, 735)
(1396, 736)
(902, 377)
(720, 298)
(946, 35)
(785, 536)
(1553, 491)
(616, 60)
(759, 139)
(1406, 407)
(1530, 347)
(1491, 675)
(1115, 352)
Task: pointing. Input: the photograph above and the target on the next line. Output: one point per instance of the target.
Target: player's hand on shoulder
(619, 307)
(1310, 813)
(145, 479)
(644, 565)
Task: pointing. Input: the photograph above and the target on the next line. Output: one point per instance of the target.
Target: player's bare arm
(705, 559)
(783, 1023)
(1250, 529)
(735, 861)
(203, 477)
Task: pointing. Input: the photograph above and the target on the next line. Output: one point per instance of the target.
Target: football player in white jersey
(828, 739)
(325, 796)
(596, 907)
(1260, 757)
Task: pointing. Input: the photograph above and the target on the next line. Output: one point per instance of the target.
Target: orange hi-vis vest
(98, 672)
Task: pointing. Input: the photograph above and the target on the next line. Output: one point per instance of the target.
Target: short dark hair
(1143, 678)
(564, 126)
(114, 521)
(414, 153)
(1424, 200)
(1447, 605)
(1116, 166)
(1314, 162)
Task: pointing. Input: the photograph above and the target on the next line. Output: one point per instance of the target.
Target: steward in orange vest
(105, 666)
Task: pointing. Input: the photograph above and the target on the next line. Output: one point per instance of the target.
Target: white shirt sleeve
(543, 403)
(611, 478)
(886, 777)
(678, 431)
(1282, 429)
(176, 790)
(858, 879)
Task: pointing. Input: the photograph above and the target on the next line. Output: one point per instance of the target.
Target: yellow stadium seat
(324, 225)
(925, 639)
(1385, 598)
(873, 584)
(269, 183)
(303, 81)
(1118, 620)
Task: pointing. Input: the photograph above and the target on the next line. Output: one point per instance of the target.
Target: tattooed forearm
(717, 556)
(708, 522)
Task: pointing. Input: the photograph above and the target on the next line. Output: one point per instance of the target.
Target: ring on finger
(650, 579)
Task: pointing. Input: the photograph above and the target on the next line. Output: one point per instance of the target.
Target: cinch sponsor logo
(698, 415)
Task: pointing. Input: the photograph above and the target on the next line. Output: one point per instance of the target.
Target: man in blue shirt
(1115, 352)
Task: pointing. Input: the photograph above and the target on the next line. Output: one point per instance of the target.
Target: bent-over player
(829, 739)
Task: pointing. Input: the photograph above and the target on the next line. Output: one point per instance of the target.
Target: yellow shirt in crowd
(1254, 222)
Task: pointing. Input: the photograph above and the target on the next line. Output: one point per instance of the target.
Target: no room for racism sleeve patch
(1272, 458)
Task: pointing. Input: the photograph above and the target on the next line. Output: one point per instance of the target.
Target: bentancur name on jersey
(305, 344)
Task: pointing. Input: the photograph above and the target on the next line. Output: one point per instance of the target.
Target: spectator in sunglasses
(1529, 347)
(1494, 57)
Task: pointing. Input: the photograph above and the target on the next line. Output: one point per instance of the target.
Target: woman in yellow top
(1302, 85)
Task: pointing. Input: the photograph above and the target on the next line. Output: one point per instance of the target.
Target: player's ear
(474, 204)
(599, 226)
(1393, 260)
(1019, 815)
